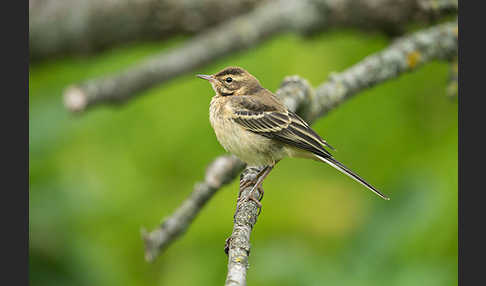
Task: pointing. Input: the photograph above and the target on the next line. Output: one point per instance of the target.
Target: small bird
(253, 124)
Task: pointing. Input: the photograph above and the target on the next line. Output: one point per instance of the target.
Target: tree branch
(404, 55)
(238, 244)
(219, 173)
(80, 27)
(240, 33)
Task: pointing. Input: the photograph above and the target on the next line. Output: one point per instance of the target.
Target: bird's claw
(251, 197)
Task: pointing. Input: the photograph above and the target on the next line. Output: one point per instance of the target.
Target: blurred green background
(97, 178)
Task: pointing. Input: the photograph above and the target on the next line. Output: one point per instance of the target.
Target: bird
(250, 122)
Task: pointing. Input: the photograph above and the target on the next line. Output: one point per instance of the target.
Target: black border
(471, 144)
(14, 209)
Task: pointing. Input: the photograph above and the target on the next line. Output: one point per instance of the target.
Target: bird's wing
(276, 122)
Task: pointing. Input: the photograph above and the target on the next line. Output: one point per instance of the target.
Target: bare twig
(406, 54)
(240, 33)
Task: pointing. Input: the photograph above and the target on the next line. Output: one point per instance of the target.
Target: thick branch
(389, 16)
(71, 26)
(406, 54)
(240, 33)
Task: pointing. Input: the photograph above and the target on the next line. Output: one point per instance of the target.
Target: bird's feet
(251, 197)
(257, 185)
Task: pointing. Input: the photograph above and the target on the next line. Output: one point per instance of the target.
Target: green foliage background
(97, 178)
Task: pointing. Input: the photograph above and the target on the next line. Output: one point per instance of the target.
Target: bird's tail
(336, 164)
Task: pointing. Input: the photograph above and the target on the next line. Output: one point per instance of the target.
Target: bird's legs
(258, 185)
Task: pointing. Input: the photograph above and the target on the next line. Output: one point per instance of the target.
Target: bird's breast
(252, 148)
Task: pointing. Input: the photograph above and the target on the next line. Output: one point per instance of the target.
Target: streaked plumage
(251, 123)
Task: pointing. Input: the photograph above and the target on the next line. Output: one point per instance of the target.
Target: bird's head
(233, 81)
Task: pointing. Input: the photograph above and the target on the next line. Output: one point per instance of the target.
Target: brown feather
(264, 114)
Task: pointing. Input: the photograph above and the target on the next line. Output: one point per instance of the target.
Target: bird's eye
(228, 79)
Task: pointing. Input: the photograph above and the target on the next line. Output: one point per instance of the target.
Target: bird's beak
(205, 76)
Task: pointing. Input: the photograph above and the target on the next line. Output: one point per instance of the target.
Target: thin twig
(405, 55)
(243, 32)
